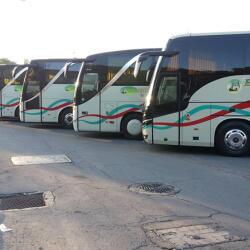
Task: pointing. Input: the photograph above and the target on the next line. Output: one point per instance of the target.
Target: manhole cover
(153, 188)
(188, 234)
(25, 200)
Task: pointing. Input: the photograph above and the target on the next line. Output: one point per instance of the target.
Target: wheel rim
(134, 127)
(68, 119)
(235, 139)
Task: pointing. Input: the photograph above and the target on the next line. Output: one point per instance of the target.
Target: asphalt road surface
(93, 208)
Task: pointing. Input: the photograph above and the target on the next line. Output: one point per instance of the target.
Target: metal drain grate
(21, 201)
(153, 188)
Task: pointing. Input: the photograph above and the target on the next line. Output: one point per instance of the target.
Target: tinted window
(166, 95)
(33, 82)
(7, 75)
(167, 92)
(108, 65)
(90, 86)
(19, 79)
(144, 76)
(100, 72)
(247, 71)
(52, 68)
(204, 59)
(72, 73)
(71, 76)
(214, 57)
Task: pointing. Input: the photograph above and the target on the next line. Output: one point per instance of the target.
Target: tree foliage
(6, 61)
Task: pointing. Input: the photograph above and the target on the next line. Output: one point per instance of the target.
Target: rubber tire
(61, 119)
(124, 124)
(220, 145)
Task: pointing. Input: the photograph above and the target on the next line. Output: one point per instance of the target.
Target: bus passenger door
(88, 111)
(165, 124)
(31, 98)
(54, 95)
(31, 107)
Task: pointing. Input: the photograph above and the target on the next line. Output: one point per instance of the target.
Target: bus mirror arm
(15, 70)
(147, 75)
(144, 56)
(137, 68)
(97, 86)
(73, 61)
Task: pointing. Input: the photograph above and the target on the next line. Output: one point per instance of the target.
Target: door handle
(85, 112)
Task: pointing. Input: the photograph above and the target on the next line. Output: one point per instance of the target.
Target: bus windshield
(6, 76)
(117, 68)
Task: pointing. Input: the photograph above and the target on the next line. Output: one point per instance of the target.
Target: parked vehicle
(47, 94)
(11, 83)
(108, 97)
(200, 93)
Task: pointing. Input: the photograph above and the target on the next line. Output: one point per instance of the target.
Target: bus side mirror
(137, 68)
(138, 64)
(97, 85)
(66, 68)
(148, 75)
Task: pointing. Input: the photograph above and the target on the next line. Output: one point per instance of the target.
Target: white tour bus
(11, 80)
(200, 93)
(48, 93)
(108, 97)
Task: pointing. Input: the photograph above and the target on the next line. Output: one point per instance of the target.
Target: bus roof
(9, 65)
(52, 60)
(123, 51)
(211, 34)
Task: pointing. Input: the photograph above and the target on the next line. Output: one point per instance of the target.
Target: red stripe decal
(57, 107)
(110, 116)
(242, 105)
(9, 105)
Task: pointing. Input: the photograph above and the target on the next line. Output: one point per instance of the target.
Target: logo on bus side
(70, 88)
(18, 88)
(131, 91)
(247, 83)
(234, 86)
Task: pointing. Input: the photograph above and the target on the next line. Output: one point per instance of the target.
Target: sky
(77, 28)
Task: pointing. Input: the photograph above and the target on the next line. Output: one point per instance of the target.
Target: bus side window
(7, 75)
(225, 56)
(247, 68)
(72, 73)
(167, 92)
(166, 95)
(143, 78)
(51, 70)
(89, 86)
(19, 80)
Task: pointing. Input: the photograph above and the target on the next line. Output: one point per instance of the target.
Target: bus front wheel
(66, 118)
(233, 138)
(131, 126)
